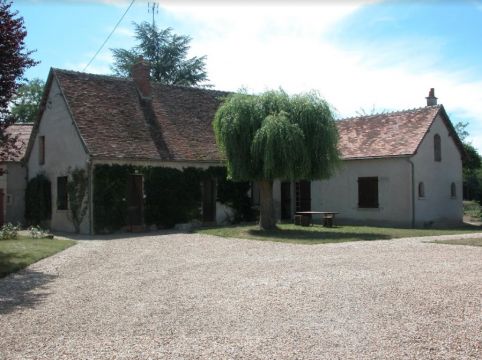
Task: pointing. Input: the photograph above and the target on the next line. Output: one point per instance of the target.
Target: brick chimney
(140, 74)
(431, 99)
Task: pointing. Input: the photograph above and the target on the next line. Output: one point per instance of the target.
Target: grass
(20, 253)
(318, 234)
(470, 242)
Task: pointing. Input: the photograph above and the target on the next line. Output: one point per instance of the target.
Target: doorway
(285, 200)
(303, 196)
(209, 201)
(135, 202)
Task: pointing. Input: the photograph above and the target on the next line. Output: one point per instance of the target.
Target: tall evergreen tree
(167, 54)
(276, 136)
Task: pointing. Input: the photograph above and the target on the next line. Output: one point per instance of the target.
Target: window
(453, 191)
(62, 197)
(41, 150)
(368, 192)
(421, 190)
(437, 148)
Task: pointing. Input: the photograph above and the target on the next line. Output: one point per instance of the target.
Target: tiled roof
(111, 117)
(22, 132)
(385, 135)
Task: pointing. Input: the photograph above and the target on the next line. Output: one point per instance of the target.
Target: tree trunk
(267, 220)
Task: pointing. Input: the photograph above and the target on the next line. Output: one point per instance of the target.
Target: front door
(303, 195)
(209, 201)
(285, 200)
(135, 202)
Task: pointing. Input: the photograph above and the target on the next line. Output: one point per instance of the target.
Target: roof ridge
(74, 72)
(129, 79)
(395, 112)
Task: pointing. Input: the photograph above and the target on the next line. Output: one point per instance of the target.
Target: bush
(9, 232)
(36, 232)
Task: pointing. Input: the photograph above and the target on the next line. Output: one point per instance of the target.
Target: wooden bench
(304, 218)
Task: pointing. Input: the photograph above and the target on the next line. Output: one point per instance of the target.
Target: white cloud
(266, 46)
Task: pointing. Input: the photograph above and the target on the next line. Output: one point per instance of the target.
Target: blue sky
(360, 55)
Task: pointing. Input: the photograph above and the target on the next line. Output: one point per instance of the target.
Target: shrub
(9, 232)
(36, 232)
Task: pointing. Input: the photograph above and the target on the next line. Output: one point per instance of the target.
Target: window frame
(421, 190)
(370, 200)
(453, 190)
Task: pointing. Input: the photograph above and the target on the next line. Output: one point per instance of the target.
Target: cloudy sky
(359, 55)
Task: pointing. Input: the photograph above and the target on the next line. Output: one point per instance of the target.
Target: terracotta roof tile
(385, 135)
(22, 131)
(111, 118)
(115, 122)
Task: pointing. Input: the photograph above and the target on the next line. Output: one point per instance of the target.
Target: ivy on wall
(38, 203)
(171, 196)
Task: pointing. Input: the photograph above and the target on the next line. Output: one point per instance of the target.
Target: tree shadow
(22, 289)
(316, 236)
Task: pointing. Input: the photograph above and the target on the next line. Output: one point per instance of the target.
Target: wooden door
(285, 200)
(303, 196)
(135, 201)
(209, 201)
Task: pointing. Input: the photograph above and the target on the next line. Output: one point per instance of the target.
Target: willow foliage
(277, 136)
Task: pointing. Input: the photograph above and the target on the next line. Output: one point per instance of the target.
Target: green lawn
(20, 253)
(471, 242)
(318, 234)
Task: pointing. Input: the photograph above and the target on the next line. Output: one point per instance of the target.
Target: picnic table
(304, 218)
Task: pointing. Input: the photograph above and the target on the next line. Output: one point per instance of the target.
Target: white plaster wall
(16, 185)
(340, 193)
(63, 149)
(438, 208)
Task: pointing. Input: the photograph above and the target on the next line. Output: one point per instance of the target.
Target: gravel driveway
(184, 296)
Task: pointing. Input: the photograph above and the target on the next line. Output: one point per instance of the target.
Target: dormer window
(437, 148)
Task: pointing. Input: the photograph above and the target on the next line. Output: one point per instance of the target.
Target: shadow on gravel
(23, 290)
(316, 237)
(119, 235)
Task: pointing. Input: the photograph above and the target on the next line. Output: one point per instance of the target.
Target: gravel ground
(185, 296)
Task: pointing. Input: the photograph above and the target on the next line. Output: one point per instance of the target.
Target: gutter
(90, 196)
(412, 175)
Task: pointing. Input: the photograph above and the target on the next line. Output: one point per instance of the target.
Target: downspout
(412, 175)
(90, 196)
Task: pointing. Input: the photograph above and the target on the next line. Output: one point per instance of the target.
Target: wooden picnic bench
(304, 218)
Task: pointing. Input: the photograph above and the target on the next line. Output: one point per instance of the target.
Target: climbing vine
(171, 195)
(77, 195)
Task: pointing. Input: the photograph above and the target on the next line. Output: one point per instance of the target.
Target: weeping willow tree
(276, 136)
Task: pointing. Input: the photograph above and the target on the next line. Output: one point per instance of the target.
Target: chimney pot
(141, 75)
(431, 99)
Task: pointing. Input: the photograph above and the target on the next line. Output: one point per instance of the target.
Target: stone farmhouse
(402, 168)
